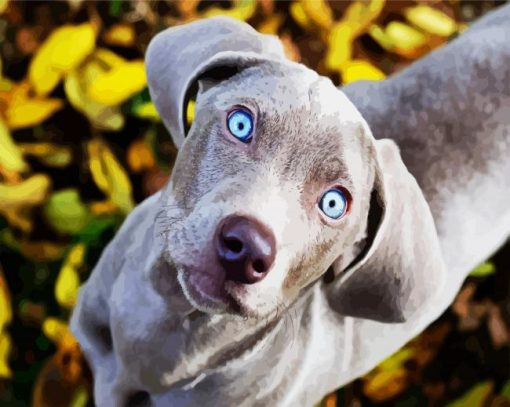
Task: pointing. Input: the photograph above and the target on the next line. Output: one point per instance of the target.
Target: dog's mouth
(211, 294)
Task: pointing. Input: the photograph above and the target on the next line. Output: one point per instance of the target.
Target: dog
(306, 232)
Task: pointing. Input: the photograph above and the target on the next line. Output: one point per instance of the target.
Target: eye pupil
(331, 204)
(240, 126)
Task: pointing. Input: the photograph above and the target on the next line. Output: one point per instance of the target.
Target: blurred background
(81, 144)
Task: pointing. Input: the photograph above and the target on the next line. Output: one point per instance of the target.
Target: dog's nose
(246, 249)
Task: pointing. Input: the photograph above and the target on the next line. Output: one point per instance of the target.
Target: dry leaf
(11, 158)
(30, 112)
(63, 50)
(385, 385)
(431, 20)
(41, 251)
(187, 8)
(242, 10)
(68, 280)
(497, 328)
(121, 35)
(29, 192)
(356, 70)
(5, 319)
(139, 156)
(356, 20)
(404, 36)
(78, 83)
(50, 154)
(109, 175)
(299, 16)
(271, 24)
(118, 84)
(319, 12)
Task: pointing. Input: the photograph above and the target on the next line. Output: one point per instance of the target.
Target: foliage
(81, 143)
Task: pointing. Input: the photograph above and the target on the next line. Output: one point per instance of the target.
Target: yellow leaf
(10, 155)
(30, 112)
(404, 36)
(68, 280)
(58, 332)
(118, 84)
(3, 5)
(63, 50)
(379, 35)
(78, 82)
(109, 175)
(356, 70)
(120, 34)
(5, 319)
(190, 112)
(319, 12)
(271, 24)
(356, 20)
(29, 192)
(397, 360)
(385, 384)
(298, 14)
(242, 10)
(340, 45)
(5, 350)
(361, 14)
(50, 154)
(431, 20)
(107, 58)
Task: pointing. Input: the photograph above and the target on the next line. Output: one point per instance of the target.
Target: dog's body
(144, 339)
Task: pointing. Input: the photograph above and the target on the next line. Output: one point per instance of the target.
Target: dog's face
(270, 186)
(278, 179)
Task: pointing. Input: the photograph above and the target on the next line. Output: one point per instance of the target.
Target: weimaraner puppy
(292, 250)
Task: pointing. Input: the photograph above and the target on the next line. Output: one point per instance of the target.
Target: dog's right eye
(334, 203)
(240, 124)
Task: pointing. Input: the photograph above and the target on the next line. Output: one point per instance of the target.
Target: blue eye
(240, 124)
(333, 203)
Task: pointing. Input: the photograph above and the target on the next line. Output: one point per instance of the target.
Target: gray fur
(296, 337)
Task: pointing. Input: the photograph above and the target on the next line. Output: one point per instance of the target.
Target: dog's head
(278, 180)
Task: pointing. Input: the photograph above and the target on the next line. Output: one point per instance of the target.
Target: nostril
(233, 244)
(259, 266)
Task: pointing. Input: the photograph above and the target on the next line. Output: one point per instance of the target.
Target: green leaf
(505, 391)
(475, 397)
(483, 270)
(66, 212)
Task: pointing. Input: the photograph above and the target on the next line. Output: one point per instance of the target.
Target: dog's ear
(401, 267)
(180, 55)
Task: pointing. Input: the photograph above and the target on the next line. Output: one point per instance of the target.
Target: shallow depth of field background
(81, 144)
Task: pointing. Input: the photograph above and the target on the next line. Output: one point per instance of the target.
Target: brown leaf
(497, 327)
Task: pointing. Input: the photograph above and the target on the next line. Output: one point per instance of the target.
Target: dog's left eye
(333, 203)
(240, 124)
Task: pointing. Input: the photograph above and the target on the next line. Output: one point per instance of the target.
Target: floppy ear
(401, 267)
(178, 56)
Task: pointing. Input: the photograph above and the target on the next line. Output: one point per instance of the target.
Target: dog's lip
(228, 296)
